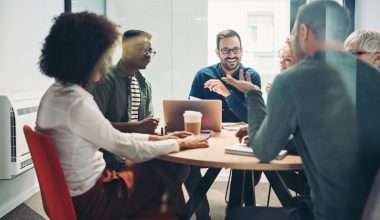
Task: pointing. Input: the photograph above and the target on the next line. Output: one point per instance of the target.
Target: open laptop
(211, 113)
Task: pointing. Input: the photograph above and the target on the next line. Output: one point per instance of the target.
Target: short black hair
(75, 45)
(226, 34)
(135, 33)
(326, 18)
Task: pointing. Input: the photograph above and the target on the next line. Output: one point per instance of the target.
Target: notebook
(244, 150)
(233, 126)
(211, 113)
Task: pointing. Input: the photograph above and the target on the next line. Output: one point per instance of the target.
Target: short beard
(299, 55)
(227, 67)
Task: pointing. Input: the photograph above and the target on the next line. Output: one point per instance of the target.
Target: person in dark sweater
(329, 102)
(207, 84)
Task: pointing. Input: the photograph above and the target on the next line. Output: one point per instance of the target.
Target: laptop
(211, 113)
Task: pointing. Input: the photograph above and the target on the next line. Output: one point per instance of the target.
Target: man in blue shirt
(207, 83)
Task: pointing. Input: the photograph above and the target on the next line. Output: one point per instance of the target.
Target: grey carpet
(32, 209)
(23, 212)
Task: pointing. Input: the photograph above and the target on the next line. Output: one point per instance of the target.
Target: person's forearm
(256, 115)
(128, 127)
(270, 128)
(257, 112)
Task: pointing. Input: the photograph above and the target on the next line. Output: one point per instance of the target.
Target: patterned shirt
(135, 94)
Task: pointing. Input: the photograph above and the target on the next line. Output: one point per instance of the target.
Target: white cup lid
(192, 116)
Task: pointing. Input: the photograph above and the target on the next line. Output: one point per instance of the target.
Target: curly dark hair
(76, 46)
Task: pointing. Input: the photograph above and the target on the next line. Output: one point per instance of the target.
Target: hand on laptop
(148, 125)
(241, 84)
(181, 134)
(192, 143)
(174, 135)
(217, 86)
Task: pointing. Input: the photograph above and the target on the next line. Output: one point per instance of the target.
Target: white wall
(179, 35)
(367, 15)
(184, 35)
(233, 14)
(23, 26)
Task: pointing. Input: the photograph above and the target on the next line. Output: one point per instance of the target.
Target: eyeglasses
(356, 53)
(235, 50)
(150, 52)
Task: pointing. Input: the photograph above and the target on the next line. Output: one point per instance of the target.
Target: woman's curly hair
(76, 47)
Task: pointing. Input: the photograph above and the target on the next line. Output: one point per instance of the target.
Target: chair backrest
(372, 207)
(54, 191)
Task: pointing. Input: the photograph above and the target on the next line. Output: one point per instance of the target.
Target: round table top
(215, 157)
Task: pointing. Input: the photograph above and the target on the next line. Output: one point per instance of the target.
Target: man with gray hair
(365, 45)
(330, 103)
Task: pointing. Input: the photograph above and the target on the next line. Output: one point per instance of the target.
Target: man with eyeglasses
(365, 45)
(329, 102)
(207, 84)
(124, 96)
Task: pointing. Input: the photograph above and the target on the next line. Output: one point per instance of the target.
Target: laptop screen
(211, 113)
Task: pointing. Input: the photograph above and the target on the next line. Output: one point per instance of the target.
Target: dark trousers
(192, 181)
(302, 212)
(296, 181)
(141, 185)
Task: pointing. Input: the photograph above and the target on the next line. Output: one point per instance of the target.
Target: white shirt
(70, 116)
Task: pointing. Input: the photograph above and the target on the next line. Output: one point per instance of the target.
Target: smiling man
(124, 96)
(207, 83)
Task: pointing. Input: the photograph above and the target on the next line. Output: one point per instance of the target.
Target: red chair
(54, 191)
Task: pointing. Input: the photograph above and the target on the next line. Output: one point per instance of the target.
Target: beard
(141, 64)
(298, 53)
(230, 66)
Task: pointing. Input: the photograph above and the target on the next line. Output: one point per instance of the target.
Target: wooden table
(215, 159)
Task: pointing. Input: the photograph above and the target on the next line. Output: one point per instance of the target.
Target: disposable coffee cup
(192, 120)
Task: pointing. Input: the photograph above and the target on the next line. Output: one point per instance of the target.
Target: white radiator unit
(16, 110)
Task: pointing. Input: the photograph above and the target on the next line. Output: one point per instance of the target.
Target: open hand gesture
(241, 84)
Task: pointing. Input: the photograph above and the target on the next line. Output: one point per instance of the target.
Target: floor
(32, 209)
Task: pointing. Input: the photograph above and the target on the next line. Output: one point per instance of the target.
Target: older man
(365, 45)
(330, 103)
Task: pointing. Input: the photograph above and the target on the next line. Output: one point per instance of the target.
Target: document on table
(244, 150)
(235, 126)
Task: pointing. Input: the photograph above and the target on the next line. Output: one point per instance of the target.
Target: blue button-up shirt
(233, 106)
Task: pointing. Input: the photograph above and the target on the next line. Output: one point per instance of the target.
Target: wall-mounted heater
(16, 110)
